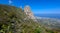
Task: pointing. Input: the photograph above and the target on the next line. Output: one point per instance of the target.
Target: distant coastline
(48, 15)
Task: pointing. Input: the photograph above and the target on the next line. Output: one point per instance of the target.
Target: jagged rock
(28, 12)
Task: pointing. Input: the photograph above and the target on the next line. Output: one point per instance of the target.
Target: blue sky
(37, 6)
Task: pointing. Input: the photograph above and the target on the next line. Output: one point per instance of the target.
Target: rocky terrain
(12, 20)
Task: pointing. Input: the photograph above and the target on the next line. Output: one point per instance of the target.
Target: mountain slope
(12, 21)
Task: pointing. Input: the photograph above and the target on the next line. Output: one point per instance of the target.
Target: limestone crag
(28, 12)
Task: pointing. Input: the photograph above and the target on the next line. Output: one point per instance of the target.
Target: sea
(48, 15)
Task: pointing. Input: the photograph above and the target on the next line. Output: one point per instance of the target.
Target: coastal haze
(49, 21)
(57, 16)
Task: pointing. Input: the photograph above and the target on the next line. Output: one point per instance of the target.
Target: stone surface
(28, 12)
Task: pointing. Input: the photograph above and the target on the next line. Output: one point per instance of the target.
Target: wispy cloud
(10, 1)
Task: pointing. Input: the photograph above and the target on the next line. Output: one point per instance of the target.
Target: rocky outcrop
(28, 12)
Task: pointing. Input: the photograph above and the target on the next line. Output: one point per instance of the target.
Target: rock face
(28, 12)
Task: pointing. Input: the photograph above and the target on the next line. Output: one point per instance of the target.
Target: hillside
(12, 21)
